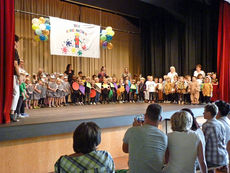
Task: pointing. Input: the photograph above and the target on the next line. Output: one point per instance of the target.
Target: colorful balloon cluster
(106, 37)
(41, 28)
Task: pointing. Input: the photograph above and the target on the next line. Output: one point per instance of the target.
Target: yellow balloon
(110, 46)
(35, 26)
(111, 33)
(37, 38)
(109, 28)
(42, 19)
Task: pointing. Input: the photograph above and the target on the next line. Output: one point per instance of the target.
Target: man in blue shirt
(146, 144)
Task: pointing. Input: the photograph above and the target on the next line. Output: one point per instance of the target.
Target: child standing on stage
(187, 91)
(66, 89)
(146, 92)
(174, 94)
(194, 88)
(160, 90)
(29, 91)
(207, 89)
(114, 80)
(200, 81)
(215, 93)
(98, 90)
(120, 91)
(168, 90)
(133, 90)
(105, 91)
(155, 93)
(126, 92)
(43, 93)
(181, 88)
(58, 93)
(151, 88)
(81, 92)
(37, 93)
(51, 90)
(93, 90)
(87, 90)
(141, 88)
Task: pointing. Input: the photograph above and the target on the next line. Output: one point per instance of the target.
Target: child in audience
(37, 93)
(194, 90)
(160, 90)
(207, 89)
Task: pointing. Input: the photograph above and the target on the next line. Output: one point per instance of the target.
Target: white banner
(70, 38)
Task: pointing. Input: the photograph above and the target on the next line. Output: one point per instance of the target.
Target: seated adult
(146, 144)
(184, 146)
(222, 116)
(198, 71)
(172, 73)
(86, 158)
(215, 136)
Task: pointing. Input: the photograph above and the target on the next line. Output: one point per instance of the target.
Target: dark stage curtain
(223, 56)
(168, 41)
(6, 58)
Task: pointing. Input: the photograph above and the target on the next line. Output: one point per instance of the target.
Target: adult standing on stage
(70, 72)
(198, 71)
(16, 81)
(102, 74)
(172, 73)
(126, 74)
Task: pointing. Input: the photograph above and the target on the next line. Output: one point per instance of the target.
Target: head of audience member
(69, 68)
(195, 124)
(86, 137)
(198, 67)
(16, 41)
(210, 111)
(172, 69)
(223, 107)
(181, 121)
(153, 114)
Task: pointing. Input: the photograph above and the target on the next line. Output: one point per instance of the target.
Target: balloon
(111, 33)
(110, 45)
(42, 37)
(108, 38)
(105, 43)
(109, 28)
(37, 38)
(35, 26)
(103, 32)
(45, 32)
(38, 32)
(42, 19)
(103, 37)
(104, 47)
(42, 26)
(48, 27)
(35, 21)
(46, 38)
(47, 21)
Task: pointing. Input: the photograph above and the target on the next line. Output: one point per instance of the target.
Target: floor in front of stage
(76, 112)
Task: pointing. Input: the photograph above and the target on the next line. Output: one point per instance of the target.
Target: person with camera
(145, 143)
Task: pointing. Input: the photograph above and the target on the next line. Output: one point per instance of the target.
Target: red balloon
(92, 93)
(75, 86)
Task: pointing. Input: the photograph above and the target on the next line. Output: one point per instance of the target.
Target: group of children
(55, 90)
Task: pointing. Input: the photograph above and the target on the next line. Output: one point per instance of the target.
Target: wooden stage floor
(73, 112)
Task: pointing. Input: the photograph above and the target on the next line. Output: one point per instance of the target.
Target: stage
(49, 121)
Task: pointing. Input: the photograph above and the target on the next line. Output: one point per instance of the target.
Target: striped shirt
(93, 162)
(215, 150)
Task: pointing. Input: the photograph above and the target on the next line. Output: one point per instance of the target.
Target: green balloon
(103, 37)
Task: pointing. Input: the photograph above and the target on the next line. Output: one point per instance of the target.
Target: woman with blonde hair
(184, 146)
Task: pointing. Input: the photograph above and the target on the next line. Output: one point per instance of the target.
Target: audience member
(184, 146)
(146, 144)
(214, 132)
(86, 158)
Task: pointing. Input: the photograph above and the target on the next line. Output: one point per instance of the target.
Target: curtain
(6, 58)
(37, 54)
(223, 56)
(168, 41)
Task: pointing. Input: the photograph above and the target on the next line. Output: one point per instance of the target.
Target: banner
(70, 38)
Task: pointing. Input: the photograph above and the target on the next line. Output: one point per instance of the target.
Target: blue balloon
(42, 37)
(103, 32)
(48, 27)
(109, 38)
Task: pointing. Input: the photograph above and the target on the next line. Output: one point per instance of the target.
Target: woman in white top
(222, 116)
(184, 146)
(172, 73)
(198, 71)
